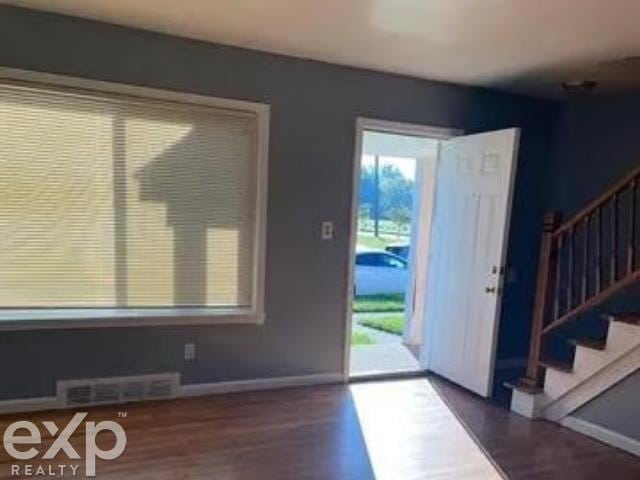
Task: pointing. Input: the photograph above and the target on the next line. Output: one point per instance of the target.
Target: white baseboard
(200, 389)
(602, 434)
(36, 404)
(22, 405)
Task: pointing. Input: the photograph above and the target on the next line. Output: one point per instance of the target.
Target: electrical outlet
(326, 230)
(189, 352)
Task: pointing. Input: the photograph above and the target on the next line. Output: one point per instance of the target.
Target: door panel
(467, 251)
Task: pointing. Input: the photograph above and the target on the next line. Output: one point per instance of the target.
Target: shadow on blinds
(205, 180)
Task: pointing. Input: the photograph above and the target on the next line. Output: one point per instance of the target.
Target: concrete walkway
(380, 359)
(387, 355)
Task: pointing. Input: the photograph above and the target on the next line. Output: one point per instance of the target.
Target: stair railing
(583, 262)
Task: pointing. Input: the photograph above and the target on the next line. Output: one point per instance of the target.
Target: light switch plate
(326, 230)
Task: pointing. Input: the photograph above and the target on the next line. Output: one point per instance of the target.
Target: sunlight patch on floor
(408, 428)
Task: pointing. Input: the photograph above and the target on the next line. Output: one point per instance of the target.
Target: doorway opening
(396, 174)
(430, 222)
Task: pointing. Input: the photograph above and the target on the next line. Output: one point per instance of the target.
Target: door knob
(490, 289)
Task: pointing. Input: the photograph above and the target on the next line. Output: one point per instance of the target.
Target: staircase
(584, 264)
(597, 365)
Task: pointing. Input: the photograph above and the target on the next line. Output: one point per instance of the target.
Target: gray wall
(314, 107)
(617, 408)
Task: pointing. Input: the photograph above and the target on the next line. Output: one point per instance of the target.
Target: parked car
(401, 250)
(380, 272)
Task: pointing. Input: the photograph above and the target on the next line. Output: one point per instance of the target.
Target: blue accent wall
(598, 142)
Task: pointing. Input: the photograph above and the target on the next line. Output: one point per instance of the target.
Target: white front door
(467, 254)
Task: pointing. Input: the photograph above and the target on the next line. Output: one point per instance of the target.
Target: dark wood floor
(536, 450)
(399, 429)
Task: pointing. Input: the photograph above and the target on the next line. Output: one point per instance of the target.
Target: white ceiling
(522, 45)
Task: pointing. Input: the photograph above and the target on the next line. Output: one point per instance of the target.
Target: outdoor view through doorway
(394, 199)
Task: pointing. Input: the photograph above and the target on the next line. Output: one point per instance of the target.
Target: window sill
(41, 319)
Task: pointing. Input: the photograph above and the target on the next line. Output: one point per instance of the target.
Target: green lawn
(392, 323)
(371, 241)
(361, 338)
(378, 303)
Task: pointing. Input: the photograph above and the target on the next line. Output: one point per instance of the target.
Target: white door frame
(385, 126)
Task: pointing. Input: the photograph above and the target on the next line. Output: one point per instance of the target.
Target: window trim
(57, 318)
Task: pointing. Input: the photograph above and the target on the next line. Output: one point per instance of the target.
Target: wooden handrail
(598, 202)
(593, 301)
(565, 267)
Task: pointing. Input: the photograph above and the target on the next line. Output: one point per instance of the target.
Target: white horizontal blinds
(56, 201)
(106, 202)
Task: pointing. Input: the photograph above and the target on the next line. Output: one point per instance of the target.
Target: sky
(406, 165)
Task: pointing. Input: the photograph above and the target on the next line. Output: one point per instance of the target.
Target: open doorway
(396, 174)
(426, 281)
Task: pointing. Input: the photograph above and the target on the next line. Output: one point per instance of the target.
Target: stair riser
(622, 336)
(557, 383)
(588, 360)
(593, 371)
(611, 374)
(586, 363)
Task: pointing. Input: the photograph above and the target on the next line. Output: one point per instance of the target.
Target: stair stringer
(593, 372)
(589, 388)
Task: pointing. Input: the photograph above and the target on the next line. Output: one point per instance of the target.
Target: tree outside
(392, 193)
(401, 217)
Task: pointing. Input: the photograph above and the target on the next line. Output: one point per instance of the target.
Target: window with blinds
(123, 202)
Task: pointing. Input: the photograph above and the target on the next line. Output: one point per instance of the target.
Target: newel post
(543, 295)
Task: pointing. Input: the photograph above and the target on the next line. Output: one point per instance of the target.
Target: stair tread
(632, 318)
(557, 365)
(523, 387)
(593, 343)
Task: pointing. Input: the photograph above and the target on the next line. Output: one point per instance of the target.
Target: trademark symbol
(122, 414)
